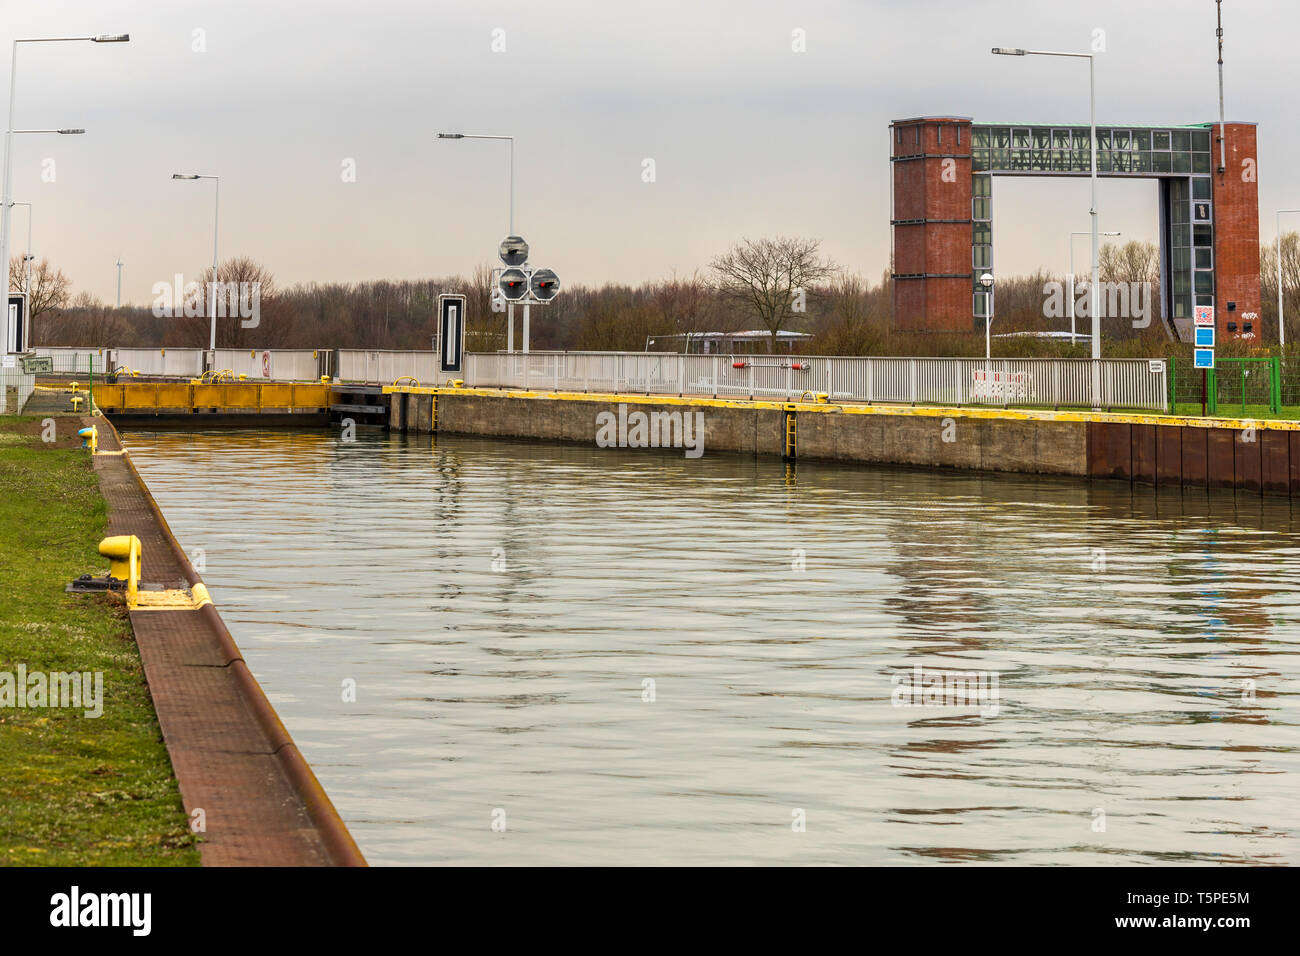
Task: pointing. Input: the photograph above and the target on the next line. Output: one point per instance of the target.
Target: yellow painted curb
(926, 411)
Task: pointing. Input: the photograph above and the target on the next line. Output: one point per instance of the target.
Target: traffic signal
(514, 284)
(513, 251)
(545, 285)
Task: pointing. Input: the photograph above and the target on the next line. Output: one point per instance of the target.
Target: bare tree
(1290, 243)
(1132, 262)
(769, 279)
(485, 330)
(683, 305)
(853, 319)
(50, 289)
(244, 286)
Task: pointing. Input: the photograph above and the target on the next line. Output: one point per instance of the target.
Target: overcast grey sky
(748, 137)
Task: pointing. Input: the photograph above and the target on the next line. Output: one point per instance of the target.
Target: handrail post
(1275, 385)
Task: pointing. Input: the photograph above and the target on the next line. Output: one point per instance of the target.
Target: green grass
(74, 791)
(1234, 410)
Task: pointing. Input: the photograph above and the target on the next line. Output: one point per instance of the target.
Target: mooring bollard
(124, 561)
(89, 438)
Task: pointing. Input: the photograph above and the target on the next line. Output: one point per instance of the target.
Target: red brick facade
(932, 250)
(1236, 230)
(932, 231)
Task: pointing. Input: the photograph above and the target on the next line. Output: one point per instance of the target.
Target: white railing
(385, 366)
(16, 387)
(69, 361)
(1046, 383)
(179, 363)
(268, 365)
(280, 365)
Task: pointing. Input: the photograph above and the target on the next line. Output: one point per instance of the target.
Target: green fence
(1244, 387)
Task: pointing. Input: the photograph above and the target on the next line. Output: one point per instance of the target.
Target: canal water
(509, 652)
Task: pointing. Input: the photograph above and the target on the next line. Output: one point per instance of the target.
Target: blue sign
(1205, 358)
(1205, 337)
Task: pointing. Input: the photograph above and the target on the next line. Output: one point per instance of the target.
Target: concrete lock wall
(951, 441)
(732, 429)
(1043, 447)
(1261, 457)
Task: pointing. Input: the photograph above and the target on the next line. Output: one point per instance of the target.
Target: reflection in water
(617, 649)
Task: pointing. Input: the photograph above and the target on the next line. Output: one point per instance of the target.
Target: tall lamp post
(1071, 242)
(216, 214)
(27, 258)
(1094, 298)
(1281, 320)
(986, 280)
(9, 131)
(5, 330)
(510, 306)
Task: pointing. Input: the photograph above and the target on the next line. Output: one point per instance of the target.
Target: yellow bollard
(76, 403)
(89, 438)
(124, 561)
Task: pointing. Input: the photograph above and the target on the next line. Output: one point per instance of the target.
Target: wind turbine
(119, 282)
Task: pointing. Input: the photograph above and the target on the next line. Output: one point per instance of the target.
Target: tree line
(778, 284)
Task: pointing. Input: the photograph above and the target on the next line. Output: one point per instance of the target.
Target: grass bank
(74, 790)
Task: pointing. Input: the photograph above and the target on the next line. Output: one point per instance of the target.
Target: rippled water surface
(618, 654)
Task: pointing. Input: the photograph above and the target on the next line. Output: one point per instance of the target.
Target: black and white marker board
(13, 327)
(451, 332)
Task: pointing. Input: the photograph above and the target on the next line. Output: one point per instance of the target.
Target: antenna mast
(1223, 164)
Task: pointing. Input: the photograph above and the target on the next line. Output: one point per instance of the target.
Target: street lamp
(216, 214)
(512, 164)
(510, 306)
(1281, 322)
(8, 166)
(986, 280)
(27, 259)
(1095, 297)
(1071, 242)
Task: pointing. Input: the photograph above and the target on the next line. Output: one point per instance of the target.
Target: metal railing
(270, 365)
(16, 386)
(1042, 383)
(75, 361)
(385, 366)
(277, 365)
(1045, 383)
